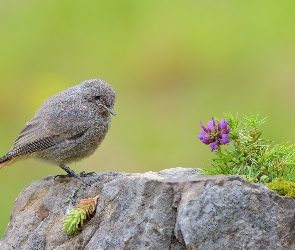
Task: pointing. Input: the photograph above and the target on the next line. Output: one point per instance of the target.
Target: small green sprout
(77, 217)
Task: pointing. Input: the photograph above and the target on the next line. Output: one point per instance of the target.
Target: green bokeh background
(172, 64)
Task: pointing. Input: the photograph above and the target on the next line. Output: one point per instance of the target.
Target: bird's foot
(83, 173)
(73, 174)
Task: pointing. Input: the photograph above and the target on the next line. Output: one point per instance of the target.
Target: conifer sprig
(84, 210)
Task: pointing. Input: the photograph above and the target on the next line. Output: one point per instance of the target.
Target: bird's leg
(72, 173)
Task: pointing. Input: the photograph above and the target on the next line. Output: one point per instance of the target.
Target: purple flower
(215, 135)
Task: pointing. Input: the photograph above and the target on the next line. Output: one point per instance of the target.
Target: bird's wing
(33, 138)
(48, 128)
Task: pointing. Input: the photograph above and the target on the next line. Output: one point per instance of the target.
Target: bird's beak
(111, 111)
(108, 109)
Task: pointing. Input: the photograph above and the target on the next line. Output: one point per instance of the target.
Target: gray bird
(68, 127)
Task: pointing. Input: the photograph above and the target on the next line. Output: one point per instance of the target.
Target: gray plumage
(68, 127)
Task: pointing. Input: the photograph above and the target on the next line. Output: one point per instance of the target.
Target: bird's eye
(97, 97)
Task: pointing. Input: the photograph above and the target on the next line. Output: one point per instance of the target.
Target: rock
(172, 209)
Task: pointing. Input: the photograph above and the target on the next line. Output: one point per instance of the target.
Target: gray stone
(172, 209)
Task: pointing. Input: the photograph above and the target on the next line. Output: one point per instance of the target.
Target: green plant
(77, 217)
(248, 154)
(285, 188)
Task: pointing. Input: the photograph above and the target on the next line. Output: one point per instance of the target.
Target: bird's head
(100, 93)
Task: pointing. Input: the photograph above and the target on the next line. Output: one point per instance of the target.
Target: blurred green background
(172, 64)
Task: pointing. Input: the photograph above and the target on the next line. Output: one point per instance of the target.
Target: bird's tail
(5, 160)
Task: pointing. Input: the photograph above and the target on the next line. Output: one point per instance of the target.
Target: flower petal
(227, 130)
(225, 139)
(222, 125)
(214, 146)
(203, 127)
(213, 120)
(211, 125)
(204, 139)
